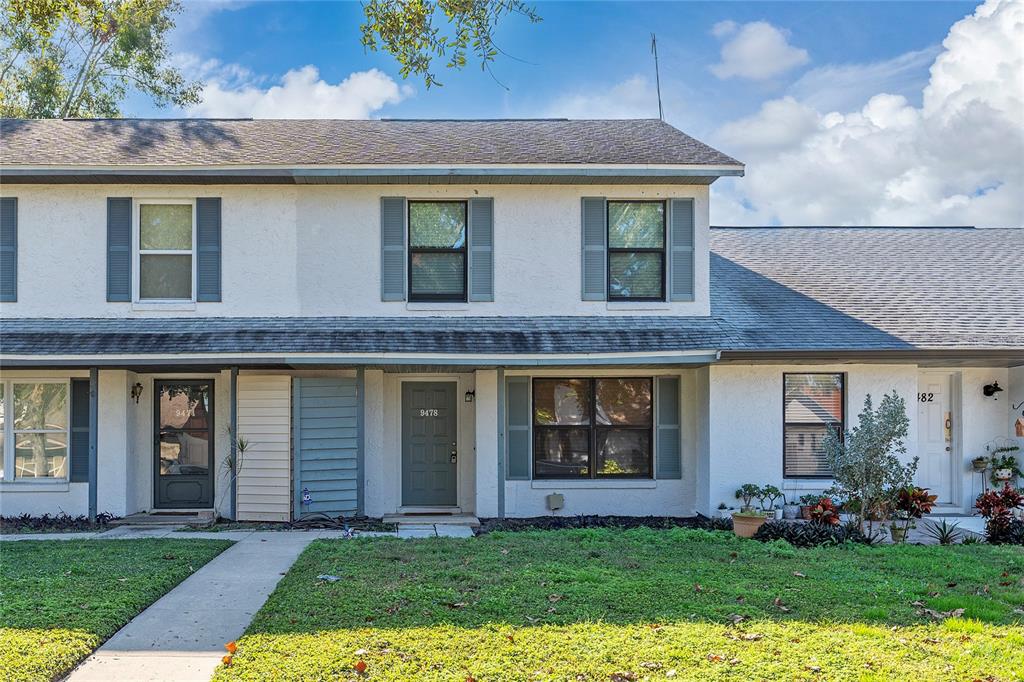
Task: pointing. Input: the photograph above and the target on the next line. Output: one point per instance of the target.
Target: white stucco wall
(745, 424)
(1015, 395)
(315, 250)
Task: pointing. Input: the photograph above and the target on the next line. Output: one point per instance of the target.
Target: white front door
(935, 435)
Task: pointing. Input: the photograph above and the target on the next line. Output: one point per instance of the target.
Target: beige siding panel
(264, 419)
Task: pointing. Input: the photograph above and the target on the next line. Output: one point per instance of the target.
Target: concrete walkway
(181, 637)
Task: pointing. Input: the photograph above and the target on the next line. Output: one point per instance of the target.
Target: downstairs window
(813, 405)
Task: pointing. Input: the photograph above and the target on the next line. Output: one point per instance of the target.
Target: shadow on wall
(763, 314)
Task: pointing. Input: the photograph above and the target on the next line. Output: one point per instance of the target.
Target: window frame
(593, 428)
(412, 250)
(614, 249)
(10, 433)
(137, 251)
(785, 424)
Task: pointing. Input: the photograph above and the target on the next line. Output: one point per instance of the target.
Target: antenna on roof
(657, 75)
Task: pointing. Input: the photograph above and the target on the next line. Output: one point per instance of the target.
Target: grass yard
(60, 599)
(626, 605)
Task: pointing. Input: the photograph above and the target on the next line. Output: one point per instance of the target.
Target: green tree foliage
(868, 461)
(407, 30)
(80, 58)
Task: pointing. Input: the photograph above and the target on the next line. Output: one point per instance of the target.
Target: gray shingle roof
(360, 335)
(869, 288)
(194, 142)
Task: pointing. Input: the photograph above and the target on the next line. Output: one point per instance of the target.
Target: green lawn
(60, 599)
(637, 604)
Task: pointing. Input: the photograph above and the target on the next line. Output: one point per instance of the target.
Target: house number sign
(926, 397)
(428, 413)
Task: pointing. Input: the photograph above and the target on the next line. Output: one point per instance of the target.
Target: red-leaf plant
(825, 512)
(912, 503)
(997, 507)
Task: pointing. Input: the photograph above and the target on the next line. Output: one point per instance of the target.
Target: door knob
(454, 458)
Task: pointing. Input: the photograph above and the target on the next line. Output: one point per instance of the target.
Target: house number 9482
(428, 413)
(926, 397)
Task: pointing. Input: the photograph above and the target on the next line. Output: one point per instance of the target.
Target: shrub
(825, 512)
(997, 507)
(812, 534)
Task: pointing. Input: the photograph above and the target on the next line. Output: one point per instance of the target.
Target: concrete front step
(164, 519)
(432, 519)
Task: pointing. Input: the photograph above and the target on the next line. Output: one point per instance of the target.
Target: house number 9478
(428, 413)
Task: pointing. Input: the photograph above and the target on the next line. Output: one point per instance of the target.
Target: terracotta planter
(805, 512)
(746, 526)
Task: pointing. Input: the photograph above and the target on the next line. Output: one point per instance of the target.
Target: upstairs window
(813, 405)
(636, 251)
(593, 428)
(437, 251)
(166, 241)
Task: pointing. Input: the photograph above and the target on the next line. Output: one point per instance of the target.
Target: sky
(864, 113)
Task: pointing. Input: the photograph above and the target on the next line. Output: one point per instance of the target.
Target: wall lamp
(136, 392)
(470, 396)
(990, 390)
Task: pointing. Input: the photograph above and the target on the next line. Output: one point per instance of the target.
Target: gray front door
(183, 444)
(429, 444)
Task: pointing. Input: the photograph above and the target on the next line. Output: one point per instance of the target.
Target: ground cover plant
(58, 523)
(60, 599)
(633, 604)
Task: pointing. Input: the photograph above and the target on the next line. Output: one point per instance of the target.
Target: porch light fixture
(990, 390)
(136, 392)
(470, 395)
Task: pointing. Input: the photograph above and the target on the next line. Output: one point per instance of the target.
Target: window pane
(165, 226)
(184, 453)
(438, 273)
(40, 455)
(624, 402)
(636, 225)
(623, 452)
(561, 453)
(814, 398)
(635, 275)
(165, 277)
(437, 224)
(804, 454)
(40, 406)
(184, 406)
(561, 401)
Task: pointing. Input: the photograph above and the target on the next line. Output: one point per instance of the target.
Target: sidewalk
(181, 637)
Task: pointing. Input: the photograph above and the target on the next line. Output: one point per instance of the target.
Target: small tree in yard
(867, 460)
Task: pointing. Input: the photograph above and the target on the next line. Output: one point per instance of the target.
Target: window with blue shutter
(594, 251)
(681, 255)
(669, 453)
(8, 249)
(392, 248)
(517, 433)
(119, 249)
(208, 249)
(481, 249)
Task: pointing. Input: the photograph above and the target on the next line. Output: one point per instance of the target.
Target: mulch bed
(560, 522)
(60, 523)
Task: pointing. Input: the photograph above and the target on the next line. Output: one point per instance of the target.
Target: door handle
(454, 457)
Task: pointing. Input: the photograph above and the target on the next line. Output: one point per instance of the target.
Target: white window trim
(8, 433)
(137, 253)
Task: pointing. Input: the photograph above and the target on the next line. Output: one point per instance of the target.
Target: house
(489, 318)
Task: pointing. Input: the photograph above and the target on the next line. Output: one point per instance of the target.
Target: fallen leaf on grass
(715, 658)
(622, 676)
(651, 665)
(360, 666)
(737, 618)
(697, 587)
(554, 598)
(231, 647)
(798, 574)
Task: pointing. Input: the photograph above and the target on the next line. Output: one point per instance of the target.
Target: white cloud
(756, 51)
(842, 87)
(635, 97)
(233, 91)
(956, 159)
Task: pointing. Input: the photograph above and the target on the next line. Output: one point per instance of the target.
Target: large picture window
(437, 251)
(34, 418)
(813, 405)
(592, 428)
(166, 259)
(636, 251)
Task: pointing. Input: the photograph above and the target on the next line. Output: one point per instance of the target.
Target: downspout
(94, 418)
(501, 443)
(234, 443)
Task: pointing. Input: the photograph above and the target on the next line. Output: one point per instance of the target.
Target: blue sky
(877, 88)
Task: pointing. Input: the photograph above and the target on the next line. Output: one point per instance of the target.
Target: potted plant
(745, 524)
(825, 511)
(806, 503)
(790, 510)
(910, 503)
(724, 511)
(769, 494)
(748, 492)
(1004, 465)
(980, 463)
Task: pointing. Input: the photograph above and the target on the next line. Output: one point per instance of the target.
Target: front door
(429, 444)
(183, 445)
(935, 435)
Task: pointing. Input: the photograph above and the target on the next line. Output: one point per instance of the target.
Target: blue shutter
(119, 249)
(481, 249)
(680, 270)
(595, 251)
(669, 456)
(79, 431)
(8, 249)
(392, 248)
(326, 432)
(517, 432)
(208, 249)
